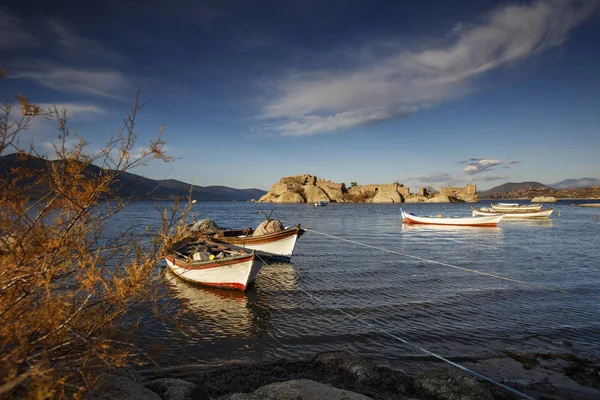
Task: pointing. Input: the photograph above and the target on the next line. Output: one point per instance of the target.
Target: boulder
(314, 194)
(290, 197)
(361, 371)
(176, 389)
(335, 191)
(206, 226)
(387, 196)
(120, 387)
(269, 226)
(304, 389)
(439, 198)
(415, 199)
(544, 199)
(450, 384)
(239, 396)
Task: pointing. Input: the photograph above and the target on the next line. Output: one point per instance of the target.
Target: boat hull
(279, 246)
(458, 221)
(231, 273)
(541, 214)
(513, 208)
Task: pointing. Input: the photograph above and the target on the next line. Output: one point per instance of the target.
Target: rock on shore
(544, 199)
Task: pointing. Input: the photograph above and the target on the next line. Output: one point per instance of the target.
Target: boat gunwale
(212, 263)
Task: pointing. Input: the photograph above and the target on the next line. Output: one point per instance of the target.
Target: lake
(300, 308)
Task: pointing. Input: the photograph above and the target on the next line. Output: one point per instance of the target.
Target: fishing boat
(514, 207)
(321, 203)
(278, 245)
(410, 218)
(486, 211)
(211, 264)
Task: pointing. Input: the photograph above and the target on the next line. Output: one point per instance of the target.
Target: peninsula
(311, 189)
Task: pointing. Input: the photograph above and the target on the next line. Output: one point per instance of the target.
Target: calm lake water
(293, 309)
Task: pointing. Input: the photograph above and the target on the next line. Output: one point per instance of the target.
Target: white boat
(322, 203)
(194, 201)
(212, 265)
(514, 207)
(485, 211)
(278, 245)
(410, 218)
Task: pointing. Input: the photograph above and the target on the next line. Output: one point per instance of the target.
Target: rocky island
(311, 189)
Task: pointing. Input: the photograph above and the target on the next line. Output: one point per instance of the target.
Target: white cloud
(99, 82)
(400, 83)
(13, 35)
(479, 165)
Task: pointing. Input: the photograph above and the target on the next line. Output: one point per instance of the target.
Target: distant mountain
(576, 183)
(512, 187)
(136, 186)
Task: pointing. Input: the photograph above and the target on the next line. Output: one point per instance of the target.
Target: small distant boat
(485, 211)
(514, 207)
(410, 218)
(209, 264)
(194, 201)
(322, 203)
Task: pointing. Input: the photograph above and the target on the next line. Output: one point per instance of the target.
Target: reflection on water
(529, 223)
(276, 276)
(225, 311)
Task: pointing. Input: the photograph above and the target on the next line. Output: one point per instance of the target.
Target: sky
(427, 93)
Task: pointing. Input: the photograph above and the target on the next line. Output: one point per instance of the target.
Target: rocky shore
(338, 375)
(311, 189)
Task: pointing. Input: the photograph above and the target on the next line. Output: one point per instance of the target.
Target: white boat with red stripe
(217, 267)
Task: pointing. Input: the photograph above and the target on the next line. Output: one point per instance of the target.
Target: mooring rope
(405, 341)
(536, 285)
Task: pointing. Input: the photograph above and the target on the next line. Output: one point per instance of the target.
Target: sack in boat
(206, 226)
(270, 226)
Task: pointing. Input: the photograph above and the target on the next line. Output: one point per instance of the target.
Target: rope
(409, 343)
(536, 285)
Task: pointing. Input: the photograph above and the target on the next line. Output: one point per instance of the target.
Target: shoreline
(339, 375)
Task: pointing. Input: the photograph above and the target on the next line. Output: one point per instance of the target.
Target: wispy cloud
(403, 83)
(479, 165)
(73, 44)
(489, 178)
(13, 34)
(98, 82)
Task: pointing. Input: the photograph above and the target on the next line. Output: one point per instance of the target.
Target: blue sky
(427, 93)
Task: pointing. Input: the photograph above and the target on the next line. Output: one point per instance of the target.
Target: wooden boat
(514, 207)
(214, 265)
(410, 218)
(279, 245)
(485, 211)
(322, 203)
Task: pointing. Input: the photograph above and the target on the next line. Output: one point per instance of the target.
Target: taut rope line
(409, 343)
(536, 285)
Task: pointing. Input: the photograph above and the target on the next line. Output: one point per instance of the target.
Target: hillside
(510, 187)
(136, 186)
(529, 193)
(576, 183)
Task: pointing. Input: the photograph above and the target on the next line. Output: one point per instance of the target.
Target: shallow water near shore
(300, 308)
